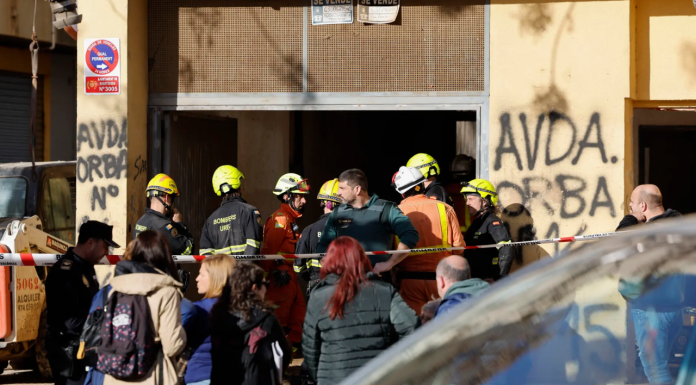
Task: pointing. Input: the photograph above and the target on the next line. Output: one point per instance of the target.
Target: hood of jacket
(257, 317)
(471, 287)
(669, 213)
(140, 279)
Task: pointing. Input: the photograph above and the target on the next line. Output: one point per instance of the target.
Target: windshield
(13, 195)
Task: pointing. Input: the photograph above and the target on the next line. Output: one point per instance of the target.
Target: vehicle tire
(40, 347)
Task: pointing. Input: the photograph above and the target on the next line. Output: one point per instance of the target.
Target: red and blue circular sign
(101, 57)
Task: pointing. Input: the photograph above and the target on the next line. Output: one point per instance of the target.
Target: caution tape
(25, 259)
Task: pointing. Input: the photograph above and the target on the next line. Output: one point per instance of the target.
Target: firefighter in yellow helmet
(163, 217)
(307, 244)
(235, 227)
(280, 235)
(427, 165)
(486, 229)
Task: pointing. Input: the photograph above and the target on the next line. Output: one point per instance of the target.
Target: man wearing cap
(70, 286)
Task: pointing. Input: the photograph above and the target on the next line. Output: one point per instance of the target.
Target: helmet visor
(302, 186)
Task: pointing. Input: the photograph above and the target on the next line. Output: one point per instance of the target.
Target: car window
(58, 206)
(13, 195)
(593, 339)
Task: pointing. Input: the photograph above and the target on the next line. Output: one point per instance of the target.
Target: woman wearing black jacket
(352, 315)
(245, 333)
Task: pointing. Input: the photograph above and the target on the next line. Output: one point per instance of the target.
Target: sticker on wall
(102, 67)
(378, 11)
(332, 12)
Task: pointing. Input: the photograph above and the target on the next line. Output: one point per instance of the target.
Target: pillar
(112, 129)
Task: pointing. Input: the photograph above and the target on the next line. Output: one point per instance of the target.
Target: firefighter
(235, 227)
(463, 170)
(486, 229)
(437, 225)
(307, 244)
(162, 217)
(280, 235)
(431, 170)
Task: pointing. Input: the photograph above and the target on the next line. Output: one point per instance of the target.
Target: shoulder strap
(384, 217)
(105, 296)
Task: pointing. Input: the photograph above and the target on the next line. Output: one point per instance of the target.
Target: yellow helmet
(481, 187)
(425, 164)
(161, 184)
(227, 178)
(329, 191)
(291, 183)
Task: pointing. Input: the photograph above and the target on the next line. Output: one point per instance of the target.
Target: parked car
(562, 320)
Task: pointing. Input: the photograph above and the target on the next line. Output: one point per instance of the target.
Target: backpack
(254, 357)
(258, 355)
(90, 339)
(128, 349)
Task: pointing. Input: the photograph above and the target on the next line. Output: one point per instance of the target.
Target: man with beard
(280, 236)
(372, 221)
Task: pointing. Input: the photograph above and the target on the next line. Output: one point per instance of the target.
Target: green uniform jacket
(375, 319)
(371, 225)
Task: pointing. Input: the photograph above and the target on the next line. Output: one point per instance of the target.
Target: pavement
(10, 376)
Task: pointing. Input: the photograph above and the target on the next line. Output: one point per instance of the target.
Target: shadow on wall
(520, 224)
(534, 18)
(688, 50)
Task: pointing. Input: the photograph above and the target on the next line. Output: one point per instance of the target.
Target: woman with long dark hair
(148, 270)
(246, 337)
(352, 315)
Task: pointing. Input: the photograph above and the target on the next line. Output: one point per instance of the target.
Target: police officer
(70, 286)
(431, 170)
(489, 264)
(307, 244)
(372, 221)
(162, 217)
(235, 227)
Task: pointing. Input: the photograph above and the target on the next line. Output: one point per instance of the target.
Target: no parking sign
(102, 67)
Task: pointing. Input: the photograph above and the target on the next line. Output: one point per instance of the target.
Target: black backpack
(128, 349)
(90, 339)
(250, 356)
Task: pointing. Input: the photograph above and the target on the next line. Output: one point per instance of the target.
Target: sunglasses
(264, 283)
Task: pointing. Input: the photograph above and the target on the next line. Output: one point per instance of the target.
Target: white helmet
(407, 178)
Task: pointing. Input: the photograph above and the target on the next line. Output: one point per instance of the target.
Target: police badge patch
(174, 232)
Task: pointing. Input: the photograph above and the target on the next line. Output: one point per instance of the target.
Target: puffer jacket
(164, 298)
(375, 319)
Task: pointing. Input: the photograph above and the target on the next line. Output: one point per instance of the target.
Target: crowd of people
(254, 318)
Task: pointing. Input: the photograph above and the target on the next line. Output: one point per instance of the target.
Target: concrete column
(112, 129)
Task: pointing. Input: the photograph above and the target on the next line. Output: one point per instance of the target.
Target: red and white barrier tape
(49, 259)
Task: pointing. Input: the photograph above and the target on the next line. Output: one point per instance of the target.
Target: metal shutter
(15, 118)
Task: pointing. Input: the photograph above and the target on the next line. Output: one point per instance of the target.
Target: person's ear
(358, 189)
(254, 287)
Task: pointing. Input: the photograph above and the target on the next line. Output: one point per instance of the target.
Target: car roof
(514, 304)
(24, 168)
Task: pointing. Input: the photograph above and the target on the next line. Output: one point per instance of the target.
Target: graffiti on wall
(548, 150)
(106, 142)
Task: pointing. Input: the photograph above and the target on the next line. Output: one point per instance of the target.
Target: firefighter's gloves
(280, 278)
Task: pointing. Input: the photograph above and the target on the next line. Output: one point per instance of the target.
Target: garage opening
(319, 145)
(666, 148)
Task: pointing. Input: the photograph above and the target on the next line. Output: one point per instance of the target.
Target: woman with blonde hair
(212, 278)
